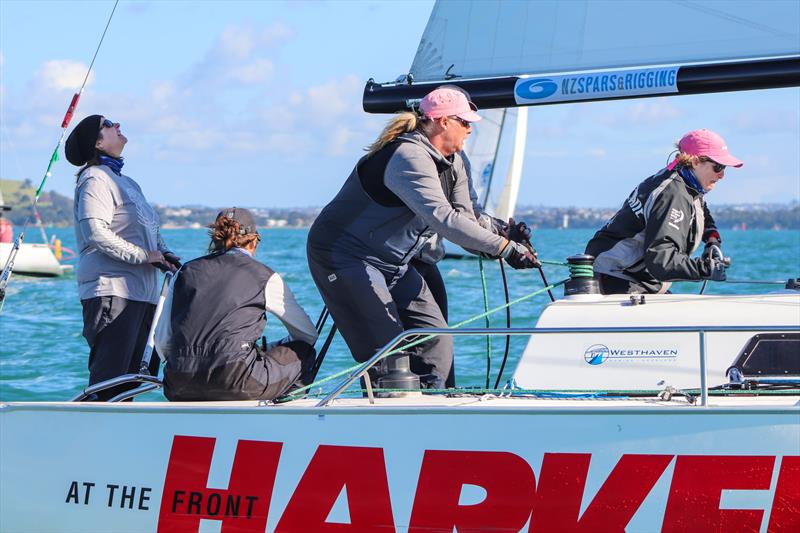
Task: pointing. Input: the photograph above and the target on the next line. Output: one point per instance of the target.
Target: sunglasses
(718, 167)
(461, 121)
(107, 123)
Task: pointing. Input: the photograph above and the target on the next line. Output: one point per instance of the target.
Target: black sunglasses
(718, 167)
(107, 123)
(461, 121)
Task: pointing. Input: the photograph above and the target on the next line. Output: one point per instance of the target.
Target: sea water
(43, 355)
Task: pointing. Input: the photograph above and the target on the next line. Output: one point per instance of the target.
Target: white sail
(480, 39)
(481, 151)
(508, 198)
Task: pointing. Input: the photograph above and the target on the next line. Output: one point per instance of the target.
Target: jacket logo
(675, 217)
(332, 278)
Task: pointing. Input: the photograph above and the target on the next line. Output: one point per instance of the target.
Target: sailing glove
(518, 232)
(157, 259)
(172, 259)
(716, 267)
(520, 256)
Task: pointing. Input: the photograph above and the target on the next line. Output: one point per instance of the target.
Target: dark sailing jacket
(650, 239)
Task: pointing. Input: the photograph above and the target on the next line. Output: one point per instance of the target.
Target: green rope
(425, 338)
(487, 322)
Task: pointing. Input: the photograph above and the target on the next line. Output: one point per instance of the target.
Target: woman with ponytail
(121, 253)
(411, 185)
(214, 317)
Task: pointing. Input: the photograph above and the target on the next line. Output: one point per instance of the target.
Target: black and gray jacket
(213, 316)
(650, 239)
(394, 201)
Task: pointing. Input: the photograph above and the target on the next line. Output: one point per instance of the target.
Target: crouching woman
(214, 316)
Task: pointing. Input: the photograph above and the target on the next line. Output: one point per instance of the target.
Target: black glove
(520, 256)
(518, 232)
(157, 259)
(173, 259)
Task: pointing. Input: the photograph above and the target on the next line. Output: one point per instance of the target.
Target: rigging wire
(5, 277)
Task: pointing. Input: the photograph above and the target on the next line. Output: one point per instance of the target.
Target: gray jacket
(394, 201)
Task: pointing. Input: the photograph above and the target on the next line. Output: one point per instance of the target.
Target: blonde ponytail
(401, 123)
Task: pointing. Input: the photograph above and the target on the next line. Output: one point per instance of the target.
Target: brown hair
(687, 160)
(404, 122)
(224, 233)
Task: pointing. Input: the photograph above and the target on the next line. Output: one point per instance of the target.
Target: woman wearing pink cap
(647, 244)
(411, 185)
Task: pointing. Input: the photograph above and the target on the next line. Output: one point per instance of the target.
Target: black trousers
(370, 308)
(251, 375)
(116, 330)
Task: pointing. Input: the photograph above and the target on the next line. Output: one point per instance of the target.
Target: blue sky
(259, 104)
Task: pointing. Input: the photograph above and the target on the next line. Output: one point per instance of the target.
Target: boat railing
(392, 346)
(146, 384)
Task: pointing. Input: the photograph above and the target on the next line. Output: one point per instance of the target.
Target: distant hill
(56, 210)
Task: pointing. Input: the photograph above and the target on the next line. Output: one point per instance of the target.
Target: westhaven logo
(597, 354)
(596, 85)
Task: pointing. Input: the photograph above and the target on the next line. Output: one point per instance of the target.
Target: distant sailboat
(32, 259)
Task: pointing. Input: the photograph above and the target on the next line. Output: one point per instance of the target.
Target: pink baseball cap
(709, 144)
(449, 102)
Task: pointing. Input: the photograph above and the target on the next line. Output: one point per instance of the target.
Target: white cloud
(336, 98)
(597, 152)
(339, 140)
(258, 71)
(62, 75)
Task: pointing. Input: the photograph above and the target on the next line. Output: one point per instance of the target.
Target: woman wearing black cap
(121, 253)
(214, 315)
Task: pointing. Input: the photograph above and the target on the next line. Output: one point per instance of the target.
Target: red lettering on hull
(697, 485)
(785, 514)
(243, 507)
(513, 496)
(561, 487)
(507, 479)
(362, 471)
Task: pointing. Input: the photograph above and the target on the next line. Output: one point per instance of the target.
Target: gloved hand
(713, 251)
(173, 259)
(716, 267)
(157, 259)
(520, 256)
(518, 232)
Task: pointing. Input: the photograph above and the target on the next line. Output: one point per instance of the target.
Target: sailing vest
(367, 220)
(218, 307)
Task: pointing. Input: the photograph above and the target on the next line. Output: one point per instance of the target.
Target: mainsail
(523, 53)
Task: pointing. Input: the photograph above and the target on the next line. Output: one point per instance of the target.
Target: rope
(425, 338)
(508, 322)
(486, 321)
(5, 277)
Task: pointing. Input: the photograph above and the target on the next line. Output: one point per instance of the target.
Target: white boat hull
(32, 259)
(426, 464)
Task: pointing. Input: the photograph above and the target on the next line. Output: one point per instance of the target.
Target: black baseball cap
(245, 218)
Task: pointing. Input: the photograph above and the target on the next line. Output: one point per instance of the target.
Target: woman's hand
(157, 259)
